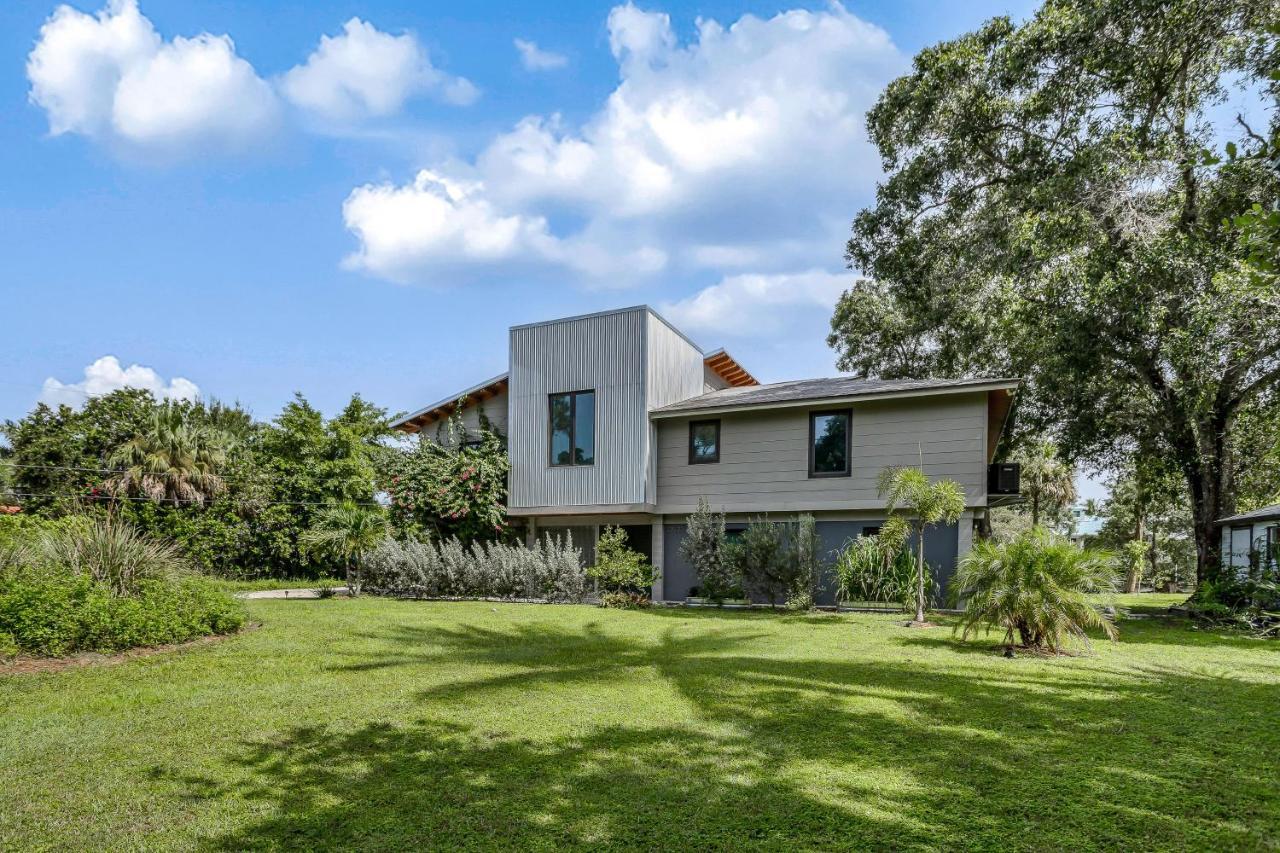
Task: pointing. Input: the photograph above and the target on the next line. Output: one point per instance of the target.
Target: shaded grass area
(379, 724)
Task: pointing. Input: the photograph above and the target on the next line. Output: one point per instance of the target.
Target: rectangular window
(704, 442)
(829, 444)
(573, 428)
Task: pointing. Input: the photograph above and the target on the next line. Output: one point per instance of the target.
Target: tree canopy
(1049, 212)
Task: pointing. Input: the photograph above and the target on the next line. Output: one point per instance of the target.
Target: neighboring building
(1084, 527)
(619, 418)
(1251, 536)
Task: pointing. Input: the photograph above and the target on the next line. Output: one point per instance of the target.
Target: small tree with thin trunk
(1048, 482)
(925, 505)
(347, 531)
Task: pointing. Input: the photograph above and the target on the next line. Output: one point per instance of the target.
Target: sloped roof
(835, 388)
(1265, 513)
(440, 410)
(728, 369)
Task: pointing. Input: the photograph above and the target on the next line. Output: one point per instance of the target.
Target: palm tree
(1038, 588)
(927, 504)
(347, 531)
(1046, 479)
(171, 460)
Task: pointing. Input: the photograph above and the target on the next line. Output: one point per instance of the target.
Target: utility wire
(180, 500)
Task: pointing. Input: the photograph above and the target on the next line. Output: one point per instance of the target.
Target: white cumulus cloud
(752, 304)
(110, 75)
(742, 150)
(365, 72)
(106, 375)
(534, 58)
(438, 223)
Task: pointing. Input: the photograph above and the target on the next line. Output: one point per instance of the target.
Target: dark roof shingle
(839, 387)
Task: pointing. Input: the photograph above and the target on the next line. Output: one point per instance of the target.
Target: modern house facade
(619, 418)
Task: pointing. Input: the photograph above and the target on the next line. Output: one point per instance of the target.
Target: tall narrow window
(704, 442)
(573, 428)
(829, 444)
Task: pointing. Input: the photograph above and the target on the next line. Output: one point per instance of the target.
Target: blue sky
(248, 199)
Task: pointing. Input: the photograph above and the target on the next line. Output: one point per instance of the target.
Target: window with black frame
(829, 444)
(573, 428)
(704, 442)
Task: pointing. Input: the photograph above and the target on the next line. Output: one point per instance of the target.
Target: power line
(181, 500)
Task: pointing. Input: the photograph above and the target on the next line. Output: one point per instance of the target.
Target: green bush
(879, 569)
(8, 646)
(706, 549)
(1039, 588)
(625, 600)
(59, 614)
(618, 568)
(104, 587)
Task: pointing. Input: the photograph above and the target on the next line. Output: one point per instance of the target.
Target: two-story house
(619, 418)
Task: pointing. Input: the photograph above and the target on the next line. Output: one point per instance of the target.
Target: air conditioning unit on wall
(1004, 478)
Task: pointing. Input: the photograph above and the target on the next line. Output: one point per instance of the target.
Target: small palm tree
(926, 504)
(1046, 480)
(1037, 588)
(347, 531)
(171, 460)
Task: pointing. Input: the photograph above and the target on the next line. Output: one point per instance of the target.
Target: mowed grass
(377, 724)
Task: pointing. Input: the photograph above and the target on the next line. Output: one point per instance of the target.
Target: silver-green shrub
(550, 571)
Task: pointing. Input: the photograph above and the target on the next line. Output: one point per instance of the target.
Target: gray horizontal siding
(764, 456)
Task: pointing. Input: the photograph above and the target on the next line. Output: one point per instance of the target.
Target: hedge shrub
(550, 571)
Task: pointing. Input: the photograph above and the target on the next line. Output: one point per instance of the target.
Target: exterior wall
(764, 456)
(1239, 539)
(634, 362)
(495, 409)
(941, 546)
(712, 381)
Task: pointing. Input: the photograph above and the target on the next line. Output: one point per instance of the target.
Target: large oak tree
(1048, 211)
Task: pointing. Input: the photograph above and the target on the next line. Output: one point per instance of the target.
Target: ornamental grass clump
(1039, 588)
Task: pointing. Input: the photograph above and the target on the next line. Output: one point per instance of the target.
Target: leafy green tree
(171, 460)
(1148, 506)
(1047, 213)
(346, 532)
(925, 504)
(1039, 588)
(1047, 482)
(56, 457)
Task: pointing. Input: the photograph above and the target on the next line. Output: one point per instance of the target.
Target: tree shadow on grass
(783, 752)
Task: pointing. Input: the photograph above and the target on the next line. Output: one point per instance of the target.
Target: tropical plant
(347, 531)
(618, 568)
(926, 504)
(1040, 589)
(108, 552)
(879, 568)
(705, 547)
(171, 460)
(1047, 482)
(447, 487)
(1047, 213)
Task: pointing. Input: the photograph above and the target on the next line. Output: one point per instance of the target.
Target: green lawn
(381, 724)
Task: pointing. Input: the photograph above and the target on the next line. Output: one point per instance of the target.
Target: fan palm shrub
(1039, 588)
(173, 460)
(347, 531)
(1047, 482)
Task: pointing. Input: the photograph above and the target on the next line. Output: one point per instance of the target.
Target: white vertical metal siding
(604, 353)
(675, 371)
